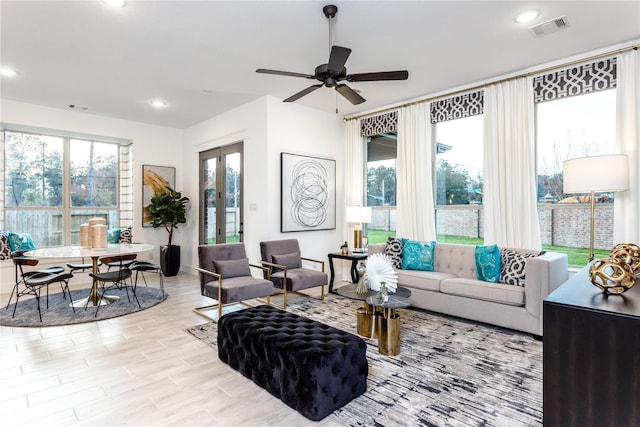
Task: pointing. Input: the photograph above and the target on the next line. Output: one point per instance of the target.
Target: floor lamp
(596, 174)
(358, 215)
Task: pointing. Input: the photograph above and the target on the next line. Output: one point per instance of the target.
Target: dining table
(94, 298)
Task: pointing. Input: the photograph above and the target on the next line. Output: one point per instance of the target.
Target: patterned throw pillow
(488, 263)
(417, 255)
(5, 249)
(512, 266)
(393, 251)
(126, 235)
(21, 242)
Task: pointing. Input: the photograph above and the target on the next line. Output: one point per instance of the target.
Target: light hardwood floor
(140, 369)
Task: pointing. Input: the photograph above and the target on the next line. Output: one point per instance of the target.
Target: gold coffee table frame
(379, 319)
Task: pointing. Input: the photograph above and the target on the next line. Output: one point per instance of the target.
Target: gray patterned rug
(450, 372)
(59, 312)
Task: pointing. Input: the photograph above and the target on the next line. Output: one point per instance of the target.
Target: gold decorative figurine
(612, 275)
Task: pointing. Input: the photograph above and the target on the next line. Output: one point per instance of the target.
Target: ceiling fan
(334, 71)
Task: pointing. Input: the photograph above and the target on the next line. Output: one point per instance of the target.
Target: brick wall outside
(560, 225)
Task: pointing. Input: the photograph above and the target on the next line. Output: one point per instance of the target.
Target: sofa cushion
(393, 251)
(512, 265)
(417, 255)
(478, 289)
(426, 280)
(488, 263)
(232, 267)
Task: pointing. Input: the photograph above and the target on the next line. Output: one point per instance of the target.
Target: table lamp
(596, 174)
(358, 215)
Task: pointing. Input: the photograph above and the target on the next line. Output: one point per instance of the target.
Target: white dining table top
(79, 251)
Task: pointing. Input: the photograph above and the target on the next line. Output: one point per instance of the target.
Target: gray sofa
(453, 289)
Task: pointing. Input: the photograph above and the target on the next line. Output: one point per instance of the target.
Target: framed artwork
(155, 179)
(308, 193)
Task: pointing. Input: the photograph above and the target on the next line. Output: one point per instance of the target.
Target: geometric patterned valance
(578, 80)
(382, 123)
(457, 107)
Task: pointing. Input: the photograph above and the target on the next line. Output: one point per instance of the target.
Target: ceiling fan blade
(350, 94)
(285, 73)
(302, 93)
(337, 59)
(383, 75)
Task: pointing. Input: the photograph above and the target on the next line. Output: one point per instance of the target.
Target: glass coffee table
(378, 318)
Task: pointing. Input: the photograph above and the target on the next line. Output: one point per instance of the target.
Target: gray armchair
(225, 276)
(286, 271)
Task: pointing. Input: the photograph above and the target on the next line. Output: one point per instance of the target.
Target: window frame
(67, 211)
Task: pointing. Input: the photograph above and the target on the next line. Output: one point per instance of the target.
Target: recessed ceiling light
(8, 72)
(115, 3)
(527, 16)
(158, 103)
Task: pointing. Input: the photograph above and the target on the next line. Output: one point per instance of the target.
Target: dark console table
(354, 257)
(591, 356)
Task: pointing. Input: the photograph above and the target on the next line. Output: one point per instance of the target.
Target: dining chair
(285, 267)
(116, 278)
(140, 267)
(34, 280)
(225, 275)
(81, 266)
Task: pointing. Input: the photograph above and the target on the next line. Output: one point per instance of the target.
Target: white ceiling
(201, 56)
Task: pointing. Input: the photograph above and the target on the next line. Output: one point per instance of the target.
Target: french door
(221, 195)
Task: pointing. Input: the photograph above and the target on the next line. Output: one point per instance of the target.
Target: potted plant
(169, 209)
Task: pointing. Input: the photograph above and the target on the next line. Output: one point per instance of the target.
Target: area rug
(449, 371)
(59, 312)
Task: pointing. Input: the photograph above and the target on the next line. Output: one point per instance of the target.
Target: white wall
(154, 145)
(268, 127)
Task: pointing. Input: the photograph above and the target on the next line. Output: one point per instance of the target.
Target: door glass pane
(209, 214)
(232, 197)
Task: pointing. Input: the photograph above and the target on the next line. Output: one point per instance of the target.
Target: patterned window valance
(457, 107)
(382, 123)
(585, 78)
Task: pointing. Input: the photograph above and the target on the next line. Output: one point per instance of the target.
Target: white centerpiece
(380, 269)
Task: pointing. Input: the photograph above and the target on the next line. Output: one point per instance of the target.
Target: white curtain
(414, 203)
(627, 203)
(510, 197)
(354, 172)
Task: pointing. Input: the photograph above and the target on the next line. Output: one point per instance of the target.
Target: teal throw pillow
(417, 255)
(488, 263)
(21, 242)
(113, 235)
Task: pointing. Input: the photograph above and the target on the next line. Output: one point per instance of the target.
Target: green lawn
(578, 257)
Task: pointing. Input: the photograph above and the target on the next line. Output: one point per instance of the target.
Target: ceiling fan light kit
(334, 71)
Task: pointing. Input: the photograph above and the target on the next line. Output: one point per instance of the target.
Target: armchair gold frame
(284, 281)
(220, 304)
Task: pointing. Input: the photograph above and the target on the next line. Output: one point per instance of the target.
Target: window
(567, 128)
(459, 179)
(53, 184)
(381, 185)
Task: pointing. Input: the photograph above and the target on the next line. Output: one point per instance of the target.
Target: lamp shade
(596, 173)
(358, 214)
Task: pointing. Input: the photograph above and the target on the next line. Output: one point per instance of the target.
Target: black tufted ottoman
(312, 367)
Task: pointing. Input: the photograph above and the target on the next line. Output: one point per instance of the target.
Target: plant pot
(170, 260)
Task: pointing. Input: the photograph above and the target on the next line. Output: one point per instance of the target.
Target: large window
(567, 128)
(381, 185)
(53, 184)
(459, 179)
